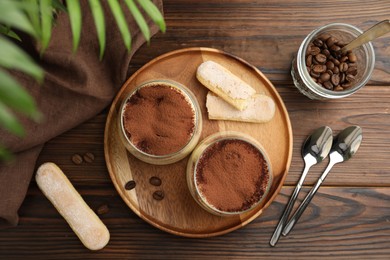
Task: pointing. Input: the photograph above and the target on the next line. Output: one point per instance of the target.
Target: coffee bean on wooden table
(158, 195)
(155, 181)
(89, 157)
(130, 185)
(77, 159)
(102, 209)
(327, 66)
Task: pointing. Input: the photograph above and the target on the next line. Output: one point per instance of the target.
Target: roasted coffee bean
(315, 62)
(335, 79)
(318, 42)
(323, 37)
(321, 58)
(347, 85)
(331, 41)
(326, 52)
(342, 77)
(102, 209)
(341, 44)
(329, 65)
(325, 77)
(77, 159)
(336, 62)
(344, 59)
(130, 185)
(319, 68)
(335, 48)
(314, 74)
(350, 78)
(158, 195)
(352, 57)
(343, 67)
(155, 181)
(328, 85)
(336, 70)
(89, 157)
(315, 50)
(309, 60)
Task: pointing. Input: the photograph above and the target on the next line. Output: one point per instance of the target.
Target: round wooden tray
(178, 213)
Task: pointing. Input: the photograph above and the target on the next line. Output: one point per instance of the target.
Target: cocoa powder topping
(159, 119)
(232, 175)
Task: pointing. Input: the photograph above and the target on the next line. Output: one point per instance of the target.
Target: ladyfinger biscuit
(225, 84)
(260, 109)
(80, 217)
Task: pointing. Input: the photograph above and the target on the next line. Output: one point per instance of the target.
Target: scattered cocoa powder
(159, 119)
(232, 175)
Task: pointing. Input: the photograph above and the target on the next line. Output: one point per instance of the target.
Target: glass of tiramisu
(160, 122)
(229, 173)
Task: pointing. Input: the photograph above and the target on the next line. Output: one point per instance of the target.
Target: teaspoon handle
(374, 32)
(278, 230)
(294, 219)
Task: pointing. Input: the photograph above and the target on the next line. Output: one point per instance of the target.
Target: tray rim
(137, 211)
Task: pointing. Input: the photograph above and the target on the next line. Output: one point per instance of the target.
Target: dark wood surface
(348, 219)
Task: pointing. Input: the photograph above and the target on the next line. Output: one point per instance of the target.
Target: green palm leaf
(74, 10)
(98, 16)
(31, 8)
(57, 5)
(139, 19)
(12, 57)
(5, 154)
(121, 22)
(7, 31)
(13, 15)
(46, 19)
(16, 97)
(9, 121)
(154, 13)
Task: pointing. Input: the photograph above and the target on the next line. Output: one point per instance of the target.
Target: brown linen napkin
(76, 87)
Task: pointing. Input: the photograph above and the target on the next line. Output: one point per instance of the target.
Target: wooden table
(348, 218)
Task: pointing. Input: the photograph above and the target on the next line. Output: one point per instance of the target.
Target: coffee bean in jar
(328, 66)
(354, 74)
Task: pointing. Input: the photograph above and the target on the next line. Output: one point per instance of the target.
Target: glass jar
(172, 155)
(343, 33)
(213, 151)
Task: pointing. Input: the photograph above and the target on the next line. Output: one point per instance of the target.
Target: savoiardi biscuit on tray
(225, 84)
(260, 109)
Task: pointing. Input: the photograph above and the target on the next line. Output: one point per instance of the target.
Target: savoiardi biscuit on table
(80, 217)
(225, 84)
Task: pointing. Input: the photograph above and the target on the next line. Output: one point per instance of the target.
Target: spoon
(374, 32)
(314, 150)
(344, 147)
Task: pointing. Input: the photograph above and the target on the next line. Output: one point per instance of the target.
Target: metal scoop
(344, 147)
(314, 150)
(374, 32)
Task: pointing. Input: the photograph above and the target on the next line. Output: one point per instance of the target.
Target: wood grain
(348, 223)
(177, 212)
(348, 218)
